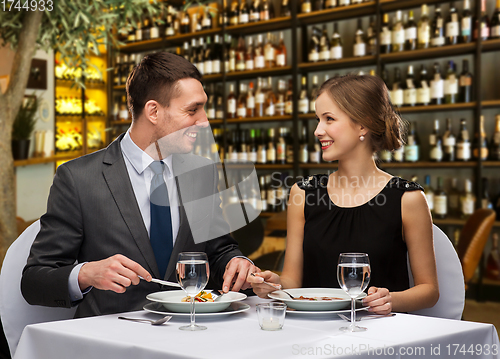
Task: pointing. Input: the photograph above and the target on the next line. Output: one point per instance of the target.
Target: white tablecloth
(239, 336)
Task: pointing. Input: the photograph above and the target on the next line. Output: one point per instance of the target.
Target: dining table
(238, 335)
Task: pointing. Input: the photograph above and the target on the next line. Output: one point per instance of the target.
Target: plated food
(173, 301)
(315, 299)
(201, 297)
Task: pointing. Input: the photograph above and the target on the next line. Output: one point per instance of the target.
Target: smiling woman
(359, 208)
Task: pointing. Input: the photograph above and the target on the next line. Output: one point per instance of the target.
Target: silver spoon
(153, 322)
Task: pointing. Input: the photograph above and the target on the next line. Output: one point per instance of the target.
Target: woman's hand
(261, 289)
(379, 300)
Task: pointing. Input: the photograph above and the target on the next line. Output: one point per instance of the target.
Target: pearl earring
(361, 138)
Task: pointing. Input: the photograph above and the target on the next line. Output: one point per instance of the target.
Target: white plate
(233, 308)
(312, 305)
(171, 300)
(318, 312)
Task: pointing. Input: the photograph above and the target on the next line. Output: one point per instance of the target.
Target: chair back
(451, 281)
(245, 225)
(15, 312)
(472, 240)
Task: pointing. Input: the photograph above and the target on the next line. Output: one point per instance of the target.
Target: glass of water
(353, 274)
(192, 275)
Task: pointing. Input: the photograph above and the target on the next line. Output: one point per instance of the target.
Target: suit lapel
(118, 181)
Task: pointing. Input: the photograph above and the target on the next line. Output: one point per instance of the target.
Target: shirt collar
(139, 159)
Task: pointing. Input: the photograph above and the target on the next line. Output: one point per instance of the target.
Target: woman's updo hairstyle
(365, 99)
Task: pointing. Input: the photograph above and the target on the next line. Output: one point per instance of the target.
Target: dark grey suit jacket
(92, 214)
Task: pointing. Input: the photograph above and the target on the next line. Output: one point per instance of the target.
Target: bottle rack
(298, 23)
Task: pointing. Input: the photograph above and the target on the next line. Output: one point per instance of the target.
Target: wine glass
(192, 275)
(353, 274)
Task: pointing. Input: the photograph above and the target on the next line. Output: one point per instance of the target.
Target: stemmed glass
(192, 275)
(353, 274)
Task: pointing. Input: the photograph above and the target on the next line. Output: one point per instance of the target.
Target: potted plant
(23, 127)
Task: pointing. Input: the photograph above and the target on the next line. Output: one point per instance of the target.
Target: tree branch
(22, 61)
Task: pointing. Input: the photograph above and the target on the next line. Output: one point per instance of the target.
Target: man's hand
(115, 273)
(237, 271)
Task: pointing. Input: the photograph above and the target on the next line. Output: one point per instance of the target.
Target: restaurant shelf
(337, 13)
(280, 23)
(43, 160)
(260, 119)
(348, 62)
(433, 52)
(428, 164)
(393, 5)
(250, 74)
(438, 108)
(491, 45)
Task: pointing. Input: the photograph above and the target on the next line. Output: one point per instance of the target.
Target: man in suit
(94, 241)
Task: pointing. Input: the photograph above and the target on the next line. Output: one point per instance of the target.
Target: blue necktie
(160, 233)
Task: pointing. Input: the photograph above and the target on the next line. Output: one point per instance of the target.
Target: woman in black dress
(359, 208)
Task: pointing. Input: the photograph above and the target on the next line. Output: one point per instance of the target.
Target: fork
(275, 286)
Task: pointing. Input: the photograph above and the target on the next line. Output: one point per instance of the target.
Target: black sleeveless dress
(374, 228)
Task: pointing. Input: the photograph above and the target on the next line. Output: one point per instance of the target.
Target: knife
(164, 282)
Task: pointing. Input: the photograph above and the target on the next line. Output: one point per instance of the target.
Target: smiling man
(127, 210)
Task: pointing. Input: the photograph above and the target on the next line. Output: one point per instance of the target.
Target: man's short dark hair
(155, 77)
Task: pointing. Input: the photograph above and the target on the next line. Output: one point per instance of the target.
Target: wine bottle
(318, 5)
(250, 101)
(232, 54)
(200, 61)
(330, 4)
(271, 147)
(485, 197)
(480, 147)
(261, 147)
(314, 151)
(303, 146)
(234, 13)
(241, 104)
(269, 52)
(240, 64)
(437, 86)
(466, 28)
(303, 97)
(385, 35)
(285, 8)
(281, 146)
(314, 46)
(398, 33)
(231, 102)
(423, 89)
(270, 99)
(252, 147)
(452, 26)
(208, 57)
(465, 89)
(206, 20)
(424, 28)
(336, 44)
(495, 141)
(260, 98)
(244, 17)
(371, 38)
(281, 98)
(436, 144)
(483, 23)
(243, 147)
(429, 193)
(306, 6)
(263, 193)
(454, 199)
(449, 143)
(211, 103)
(467, 200)
(281, 51)
(254, 11)
(438, 38)
(116, 72)
(266, 10)
(463, 150)
(185, 23)
(410, 90)
(410, 33)
(440, 201)
(359, 41)
(495, 22)
(259, 60)
(219, 108)
(313, 94)
(412, 147)
(289, 98)
(397, 95)
(324, 45)
(451, 84)
(249, 55)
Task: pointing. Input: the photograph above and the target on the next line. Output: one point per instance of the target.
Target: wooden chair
(472, 240)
